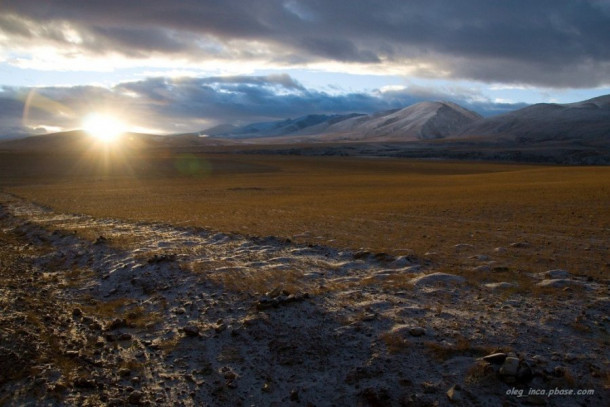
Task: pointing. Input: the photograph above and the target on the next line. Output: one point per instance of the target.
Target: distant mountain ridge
(542, 122)
(588, 120)
(309, 124)
(421, 121)
(425, 120)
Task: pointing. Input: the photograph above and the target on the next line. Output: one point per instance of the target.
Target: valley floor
(101, 311)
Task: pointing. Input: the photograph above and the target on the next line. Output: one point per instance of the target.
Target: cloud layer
(552, 43)
(176, 105)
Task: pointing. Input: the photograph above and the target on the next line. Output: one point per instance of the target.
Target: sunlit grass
(384, 205)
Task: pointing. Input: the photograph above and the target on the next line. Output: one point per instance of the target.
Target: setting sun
(103, 127)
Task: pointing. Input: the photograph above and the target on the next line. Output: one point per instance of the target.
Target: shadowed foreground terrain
(246, 280)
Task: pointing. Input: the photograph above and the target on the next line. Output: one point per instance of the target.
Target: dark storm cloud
(337, 49)
(244, 98)
(558, 43)
(192, 104)
(138, 41)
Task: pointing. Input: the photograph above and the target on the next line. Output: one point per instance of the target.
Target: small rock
(403, 261)
(84, 383)
(59, 388)
(495, 358)
(558, 283)
(510, 367)
(100, 240)
(555, 274)
(266, 388)
(559, 371)
(454, 393)
(520, 245)
(463, 246)
(500, 286)
(275, 292)
(124, 372)
(417, 331)
(539, 360)
(116, 324)
(77, 312)
(499, 250)
(412, 269)
(160, 258)
(383, 257)
(72, 353)
(369, 316)
(294, 395)
(570, 357)
(266, 302)
(376, 396)
(95, 326)
(524, 373)
(481, 257)
(362, 254)
(191, 330)
(438, 279)
(227, 373)
(136, 397)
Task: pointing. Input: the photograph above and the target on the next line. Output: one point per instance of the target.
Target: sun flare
(103, 127)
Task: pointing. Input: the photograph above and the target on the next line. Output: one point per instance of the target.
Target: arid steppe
(190, 279)
(382, 205)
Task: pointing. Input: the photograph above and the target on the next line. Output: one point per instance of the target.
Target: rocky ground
(107, 312)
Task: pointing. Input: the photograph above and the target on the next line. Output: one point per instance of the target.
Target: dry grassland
(561, 215)
(154, 312)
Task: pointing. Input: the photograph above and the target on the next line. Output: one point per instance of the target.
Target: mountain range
(421, 121)
(568, 133)
(588, 120)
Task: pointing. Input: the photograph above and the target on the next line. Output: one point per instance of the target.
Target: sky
(167, 66)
